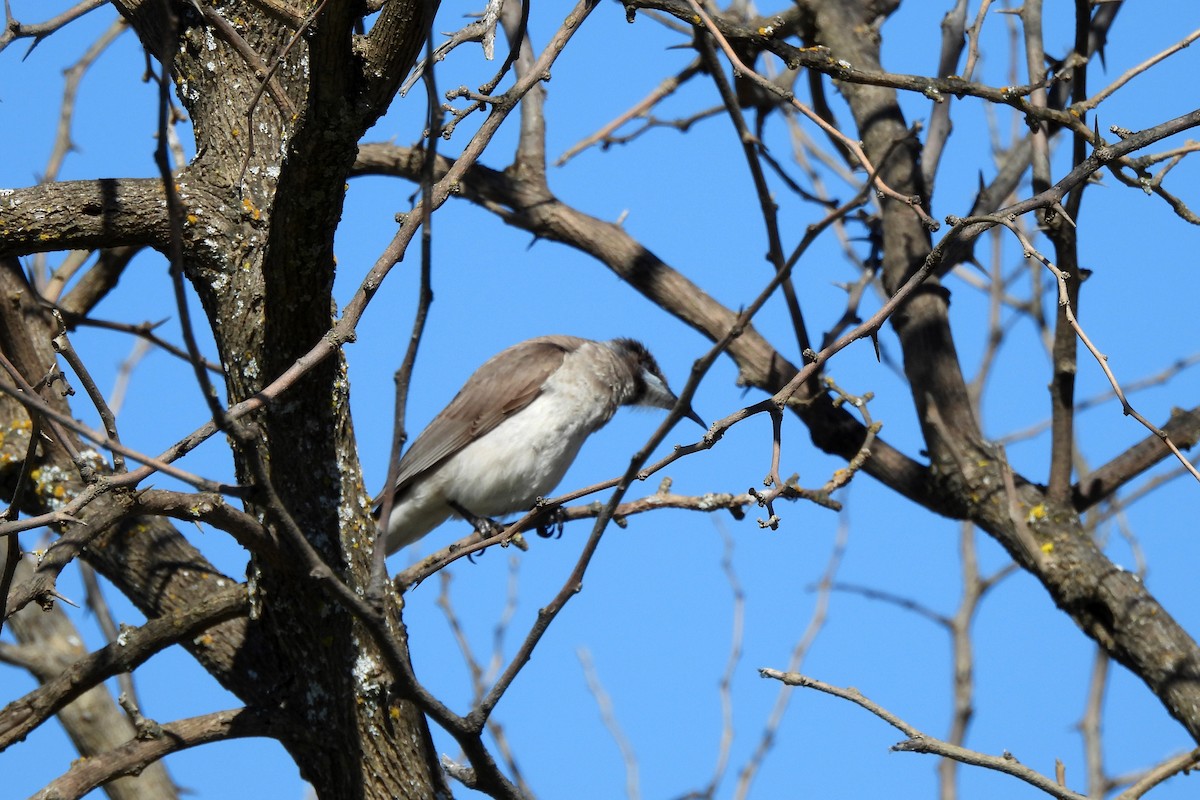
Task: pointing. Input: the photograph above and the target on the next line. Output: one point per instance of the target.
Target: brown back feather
(505, 384)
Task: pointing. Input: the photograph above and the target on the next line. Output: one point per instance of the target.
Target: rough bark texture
(258, 210)
(93, 721)
(278, 108)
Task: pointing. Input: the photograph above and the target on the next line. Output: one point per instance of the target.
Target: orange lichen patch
(251, 209)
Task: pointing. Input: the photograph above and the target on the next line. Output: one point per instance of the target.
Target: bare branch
(173, 737)
(816, 622)
(641, 110)
(14, 30)
(605, 705)
(846, 142)
(736, 644)
(1131, 73)
(918, 742)
(1167, 769)
(74, 75)
(132, 648)
(1183, 428)
(1064, 301)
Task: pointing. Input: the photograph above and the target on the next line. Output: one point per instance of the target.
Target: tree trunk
(277, 107)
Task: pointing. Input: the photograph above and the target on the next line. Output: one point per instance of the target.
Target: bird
(509, 435)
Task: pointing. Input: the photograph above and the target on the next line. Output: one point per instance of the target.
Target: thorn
(1059, 209)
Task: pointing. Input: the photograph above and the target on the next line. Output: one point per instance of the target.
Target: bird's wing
(504, 385)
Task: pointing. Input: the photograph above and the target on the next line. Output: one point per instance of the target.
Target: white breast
(521, 459)
(526, 456)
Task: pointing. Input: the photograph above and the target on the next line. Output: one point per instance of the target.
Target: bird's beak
(659, 395)
(691, 414)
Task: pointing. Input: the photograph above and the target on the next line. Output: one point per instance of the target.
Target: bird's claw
(551, 525)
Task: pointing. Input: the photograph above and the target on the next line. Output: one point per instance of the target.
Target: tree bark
(1044, 535)
(277, 113)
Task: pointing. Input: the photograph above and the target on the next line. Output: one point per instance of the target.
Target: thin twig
(108, 625)
(639, 110)
(918, 742)
(1101, 359)
(1149, 382)
(14, 30)
(742, 70)
(973, 39)
(403, 376)
(736, 642)
(1167, 769)
(1134, 71)
(73, 76)
(143, 330)
(608, 716)
(62, 346)
(1090, 725)
(816, 622)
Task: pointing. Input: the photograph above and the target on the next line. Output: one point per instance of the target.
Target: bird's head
(650, 386)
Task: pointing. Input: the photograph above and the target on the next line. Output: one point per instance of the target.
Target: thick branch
(92, 719)
(82, 215)
(172, 737)
(1183, 429)
(390, 50)
(531, 208)
(21, 716)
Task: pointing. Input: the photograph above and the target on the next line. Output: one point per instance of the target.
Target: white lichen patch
(93, 458)
(366, 670)
(52, 485)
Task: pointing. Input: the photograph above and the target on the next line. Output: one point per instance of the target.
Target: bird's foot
(484, 526)
(551, 525)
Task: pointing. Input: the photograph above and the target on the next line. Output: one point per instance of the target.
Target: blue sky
(657, 610)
